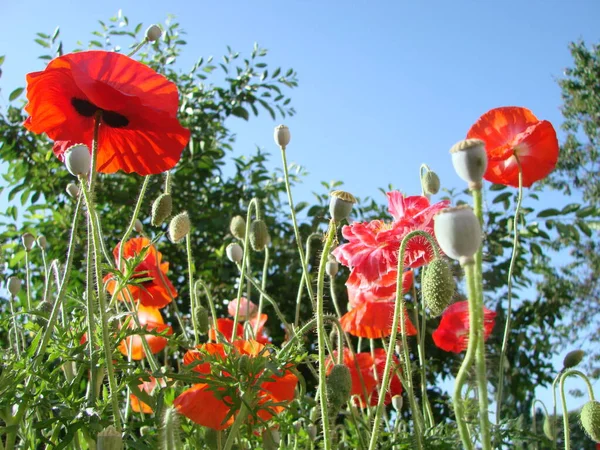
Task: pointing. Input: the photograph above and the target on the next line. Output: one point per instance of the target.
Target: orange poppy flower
(513, 132)
(139, 129)
(257, 325)
(146, 386)
(373, 320)
(156, 292)
(225, 327)
(151, 320)
(195, 356)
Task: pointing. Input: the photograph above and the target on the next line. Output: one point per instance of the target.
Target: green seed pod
(162, 208)
(237, 226)
(179, 227)
(430, 182)
(339, 386)
(259, 235)
(438, 286)
(590, 420)
(109, 439)
(28, 241)
(340, 205)
(14, 286)
(153, 33)
(573, 359)
(202, 319)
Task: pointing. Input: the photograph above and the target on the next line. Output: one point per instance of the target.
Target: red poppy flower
(379, 358)
(150, 320)
(225, 327)
(512, 132)
(384, 289)
(257, 325)
(193, 356)
(146, 386)
(156, 292)
(373, 320)
(452, 334)
(205, 407)
(139, 129)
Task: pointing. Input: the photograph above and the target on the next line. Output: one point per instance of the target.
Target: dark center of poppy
(88, 109)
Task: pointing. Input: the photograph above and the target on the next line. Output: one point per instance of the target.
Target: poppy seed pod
(282, 136)
(109, 439)
(458, 233)
(138, 226)
(153, 33)
(438, 286)
(339, 387)
(13, 285)
(259, 235)
(179, 227)
(234, 252)
(590, 420)
(42, 242)
(78, 159)
(202, 319)
(237, 226)
(430, 182)
(397, 402)
(28, 241)
(73, 190)
(332, 267)
(340, 205)
(470, 161)
(162, 208)
(573, 359)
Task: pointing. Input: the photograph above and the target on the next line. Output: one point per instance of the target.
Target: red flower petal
(380, 356)
(384, 289)
(151, 320)
(202, 406)
(373, 320)
(225, 327)
(147, 386)
(191, 356)
(280, 390)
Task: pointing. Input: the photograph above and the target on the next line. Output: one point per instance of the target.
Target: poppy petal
(373, 320)
(202, 406)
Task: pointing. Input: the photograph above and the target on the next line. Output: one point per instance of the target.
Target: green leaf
(502, 197)
(276, 73)
(571, 207)
(55, 34)
(497, 187)
(15, 94)
(238, 111)
(548, 212)
(42, 43)
(585, 229)
(2, 59)
(587, 211)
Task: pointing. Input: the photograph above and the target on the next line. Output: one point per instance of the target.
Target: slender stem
(509, 293)
(533, 417)
(211, 303)
(566, 429)
(136, 213)
(239, 420)
(15, 326)
(91, 323)
(27, 280)
(553, 421)
(263, 286)
(46, 275)
(138, 47)
(193, 304)
(303, 280)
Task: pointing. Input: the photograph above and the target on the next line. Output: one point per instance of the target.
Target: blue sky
(384, 85)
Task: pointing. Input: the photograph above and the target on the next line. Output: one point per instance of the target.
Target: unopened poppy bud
(458, 233)
(153, 32)
(590, 420)
(202, 319)
(234, 252)
(297, 425)
(430, 182)
(170, 436)
(573, 359)
(162, 208)
(340, 205)
(42, 242)
(109, 439)
(13, 285)
(282, 136)
(332, 267)
(339, 386)
(73, 190)
(28, 241)
(268, 439)
(397, 402)
(470, 161)
(179, 227)
(312, 431)
(259, 235)
(138, 226)
(438, 286)
(548, 428)
(237, 226)
(78, 159)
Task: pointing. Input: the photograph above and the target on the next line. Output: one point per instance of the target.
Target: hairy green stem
(263, 286)
(136, 213)
(302, 281)
(27, 280)
(193, 304)
(211, 303)
(90, 322)
(238, 422)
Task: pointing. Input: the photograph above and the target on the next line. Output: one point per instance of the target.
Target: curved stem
(427, 411)
(302, 281)
(263, 285)
(136, 213)
(137, 47)
(566, 429)
(211, 303)
(239, 420)
(193, 303)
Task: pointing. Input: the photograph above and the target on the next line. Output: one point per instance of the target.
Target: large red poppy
(452, 334)
(151, 320)
(513, 132)
(156, 292)
(384, 289)
(139, 129)
(373, 320)
(395, 388)
(225, 327)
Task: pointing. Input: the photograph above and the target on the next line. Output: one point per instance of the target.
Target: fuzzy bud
(13, 285)
(109, 439)
(548, 427)
(237, 226)
(78, 159)
(138, 226)
(28, 241)
(235, 252)
(259, 235)
(162, 208)
(312, 431)
(42, 242)
(179, 227)
(282, 136)
(170, 437)
(340, 205)
(590, 420)
(458, 233)
(430, 182)
(339, 386)
(202, 319)
(153, 33)
(438, 286)
(397, 402)
(573, 359)
(470, 161)
(332, 267)
(73, 190)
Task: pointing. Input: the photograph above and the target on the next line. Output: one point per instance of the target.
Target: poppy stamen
(83, 107)
(110, 118)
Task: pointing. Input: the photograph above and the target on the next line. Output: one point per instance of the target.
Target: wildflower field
(149, 302)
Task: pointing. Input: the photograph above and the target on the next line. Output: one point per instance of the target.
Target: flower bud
(458, 233)
(470, 161)
(237, 226)
(297, 426)
(332, 267)
(170, 436)
(339, 386)
(268, 439)
(234, 252)
(13, 285)
(340, 205)
(590, 420)
(573, 359)
(42, 242)
(312, 431)
(109, 439)
(179, 227)
(438, 286)
(259, 235)
(73, 190)
(162, 208)
(247, 309)
(138, 226)
(548, 427)
(78, 159)
(28, 241)
(397, 402)
(202, 319)
(430, 183)
(153, 33)
(282, 136)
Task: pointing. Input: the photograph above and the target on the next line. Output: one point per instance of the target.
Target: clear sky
(384, 85)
